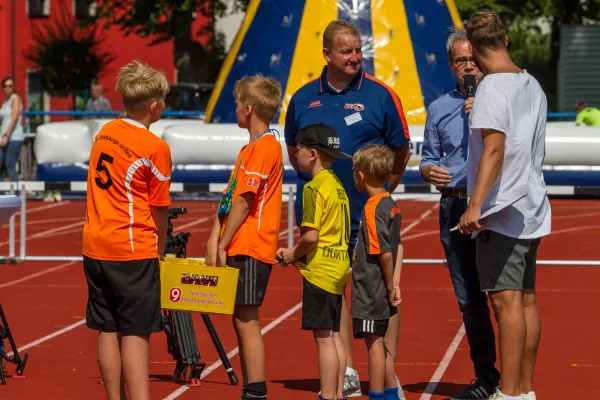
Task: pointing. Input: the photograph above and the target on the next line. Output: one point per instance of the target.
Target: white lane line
(44, 233)
(235, 351)
(196, 222)
(44, 272)
(50, 336)
(418, 235)
(53, 220)
(439, 372)
(420, 219)
(285, 231)
(42, 208)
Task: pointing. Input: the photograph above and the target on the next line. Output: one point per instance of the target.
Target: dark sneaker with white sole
(476, 390)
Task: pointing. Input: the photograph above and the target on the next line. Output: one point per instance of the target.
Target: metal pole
(22, 227)
(290, 217)
(11, 231)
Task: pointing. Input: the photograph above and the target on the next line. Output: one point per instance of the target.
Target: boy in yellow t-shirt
(321, 255)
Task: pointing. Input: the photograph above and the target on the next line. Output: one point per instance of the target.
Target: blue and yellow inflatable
(404, 45)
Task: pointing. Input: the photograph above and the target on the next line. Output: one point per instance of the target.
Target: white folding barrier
(289, 191)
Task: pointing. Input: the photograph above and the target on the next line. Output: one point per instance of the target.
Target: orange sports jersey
(260, 172)
(129, 171)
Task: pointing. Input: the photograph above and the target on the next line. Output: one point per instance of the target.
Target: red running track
(45, 306)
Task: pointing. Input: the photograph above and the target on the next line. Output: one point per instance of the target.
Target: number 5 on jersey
(102, 168)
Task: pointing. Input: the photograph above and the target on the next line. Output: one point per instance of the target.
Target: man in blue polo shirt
(362, 110)
(444, 164)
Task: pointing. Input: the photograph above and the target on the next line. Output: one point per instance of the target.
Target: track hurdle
(289, 192)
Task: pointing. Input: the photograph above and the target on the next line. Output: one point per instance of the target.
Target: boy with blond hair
(321, 255)
(376, 270)
(124, 232)
(246, 228)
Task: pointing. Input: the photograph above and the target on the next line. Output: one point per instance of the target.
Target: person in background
(444, 164)
(97, 102)
(586, 115)
(509, 211)
(11, 130)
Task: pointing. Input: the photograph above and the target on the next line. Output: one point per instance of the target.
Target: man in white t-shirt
(508, 209)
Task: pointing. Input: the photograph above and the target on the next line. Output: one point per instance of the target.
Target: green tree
(68, 56)
(166, 20)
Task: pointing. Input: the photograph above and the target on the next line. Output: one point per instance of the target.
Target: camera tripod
(16, 359)
(179, 326)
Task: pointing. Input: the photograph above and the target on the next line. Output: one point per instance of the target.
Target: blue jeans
(460, 253)
(10, 156)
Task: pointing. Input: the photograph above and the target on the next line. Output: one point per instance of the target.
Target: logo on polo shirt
(315, 104)
(254, 182)
(354, 106)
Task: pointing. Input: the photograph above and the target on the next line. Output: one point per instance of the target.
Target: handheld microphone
(470, 85)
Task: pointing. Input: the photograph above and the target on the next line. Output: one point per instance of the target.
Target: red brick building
(16, 38)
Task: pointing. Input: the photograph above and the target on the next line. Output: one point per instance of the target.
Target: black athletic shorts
(360, 327)
(252, 280)
(123, 296)
(320, 309)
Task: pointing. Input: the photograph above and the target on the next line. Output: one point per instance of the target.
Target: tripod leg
(2, 369)
(217, 342)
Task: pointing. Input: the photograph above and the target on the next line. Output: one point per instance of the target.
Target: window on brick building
(38, 8)
(84, 8)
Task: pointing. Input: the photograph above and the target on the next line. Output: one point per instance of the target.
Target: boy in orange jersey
(245, 233)
(124, 232)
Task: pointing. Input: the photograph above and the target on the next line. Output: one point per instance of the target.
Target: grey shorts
(505, 263)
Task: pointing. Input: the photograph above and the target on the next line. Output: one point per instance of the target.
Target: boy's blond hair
(335, 27)
(139, 83)
(262, 93)
(376, 161)
(486, 31)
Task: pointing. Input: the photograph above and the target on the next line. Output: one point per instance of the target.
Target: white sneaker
(401, 392)
(496, 396)
(528, 396)
(352, 385)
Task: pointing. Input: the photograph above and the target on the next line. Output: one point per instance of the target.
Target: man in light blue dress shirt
(444, 164)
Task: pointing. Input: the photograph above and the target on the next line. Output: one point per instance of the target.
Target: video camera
(179, 326)
(176, 244)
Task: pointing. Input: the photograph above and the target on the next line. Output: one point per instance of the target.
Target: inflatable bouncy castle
(404, 45)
